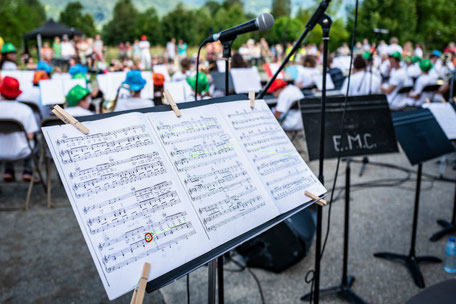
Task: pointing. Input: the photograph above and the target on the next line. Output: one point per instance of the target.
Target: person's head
(46, 44)
(143, 38)
(203, 83)
(57, 39)
(9, 88)
(8, 52)
(395, 59)
(367, 56)
(185, 64)
(309, 61)
(359, 64)
(394, 40)
(365, 41)
(65, 38)
(135, 82)
(38, 76)
(238, 62)
(173, 40)
(78, 69)
(277, 86)
(435, 55)
(181, 41)
(425, 66)
(97, 37)
(78, 97)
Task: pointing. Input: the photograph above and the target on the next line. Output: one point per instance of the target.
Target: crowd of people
(401, 72)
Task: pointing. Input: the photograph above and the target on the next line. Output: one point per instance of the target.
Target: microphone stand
(318, 17)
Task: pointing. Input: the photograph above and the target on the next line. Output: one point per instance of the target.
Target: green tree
(399, 17)
(285, 29)
(148, 23)
(180, 24)
(18, 17)
(281, 8)
(226, 18)
(73, 16)
(121, 27)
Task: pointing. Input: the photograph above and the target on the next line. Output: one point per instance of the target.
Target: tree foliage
(18, 17)
(73, 16)
(122, 26)
(281, 8)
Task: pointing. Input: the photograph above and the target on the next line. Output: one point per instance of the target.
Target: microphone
(262, 23)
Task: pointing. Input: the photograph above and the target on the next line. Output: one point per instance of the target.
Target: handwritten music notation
(213, 171)
(276, 160)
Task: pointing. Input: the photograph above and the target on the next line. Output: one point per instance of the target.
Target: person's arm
(277, 114)
(30, 136)
(388, 90)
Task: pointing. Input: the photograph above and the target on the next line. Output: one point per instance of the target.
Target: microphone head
(265, 21)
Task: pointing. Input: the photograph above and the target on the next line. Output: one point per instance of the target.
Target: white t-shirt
(14, 145)
(290, 95)
(422, 81)
(144, 46)
(305, 76)
(171, 49)
(78, 111)
(393, 48)
(362, 83)
(67, 49)
(418, 52)
(132, 103)
(9, 66)
(399, 79)
(414, 70)
(32, 94)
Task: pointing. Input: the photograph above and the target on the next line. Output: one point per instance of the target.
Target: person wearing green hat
(203, 84)
(417, 96)
(78, 101)
(8, 61)
(398, 79)
(134, 83)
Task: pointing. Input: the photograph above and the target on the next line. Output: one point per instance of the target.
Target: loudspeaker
(283, 245)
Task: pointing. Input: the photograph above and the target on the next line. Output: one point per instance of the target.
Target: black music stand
(368, 130)
(422, 139)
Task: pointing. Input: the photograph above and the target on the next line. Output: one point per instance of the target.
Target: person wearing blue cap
(442, 68)
(134, 83)
(78, 69)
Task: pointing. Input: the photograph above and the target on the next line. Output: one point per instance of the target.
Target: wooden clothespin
(319, 200)
(172, 103)
(138, 293)
(68, 119)
(428, 100)
(252, 99)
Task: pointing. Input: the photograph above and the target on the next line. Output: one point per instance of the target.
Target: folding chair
(46, 157)
(10, 126)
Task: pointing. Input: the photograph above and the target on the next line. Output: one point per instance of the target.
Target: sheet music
(25, 78)
(53, 91)
(129, 205)
(180, 90)
(445, 116)
(226, 193)
(271, 153)
(246, 80)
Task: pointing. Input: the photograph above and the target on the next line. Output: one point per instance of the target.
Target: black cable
(342, 126)
(197, 68)
(257, 281)
(188, 288)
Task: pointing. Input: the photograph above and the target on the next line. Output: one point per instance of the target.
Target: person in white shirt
(287, 96)
(144, 46)
(417, 96)
(442, 65)
(413, 67)
(394, 46)
(14, 146)
(171, 49)
(418, 50)
(397, 81)
(78, 101)
(307, 72)
(68, 50)
(8, 58)
(362, 82)
(184, 72)
(135, 84)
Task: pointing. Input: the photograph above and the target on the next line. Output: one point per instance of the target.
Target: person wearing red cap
(14, 146)
(144, 46)
(287, 111)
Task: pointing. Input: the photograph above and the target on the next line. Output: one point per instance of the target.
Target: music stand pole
(448, 227)
(212, 281)
(344, 289)
(411, 261)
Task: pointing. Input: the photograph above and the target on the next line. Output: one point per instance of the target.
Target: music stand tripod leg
(448, 227)
(411, 261)
(343, 290)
